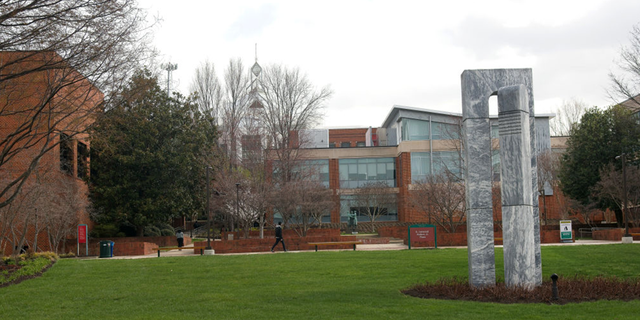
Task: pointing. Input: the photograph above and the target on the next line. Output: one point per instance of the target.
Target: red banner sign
(82, 233)
(422, 234)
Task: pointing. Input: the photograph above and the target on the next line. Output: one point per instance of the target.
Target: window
(83, 163)
(445, 131)
(345, 145)
(332, 145)
(356, 172)
(415, 130)
(66, 154)
(446, 160)
(311, 170)
(348, 203)
(360, 144)
(420, 165)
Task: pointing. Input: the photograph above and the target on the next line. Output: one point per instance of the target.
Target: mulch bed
(13, 268)
(570, 290)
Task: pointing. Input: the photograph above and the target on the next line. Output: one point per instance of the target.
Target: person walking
(180, 238)
(279, 237)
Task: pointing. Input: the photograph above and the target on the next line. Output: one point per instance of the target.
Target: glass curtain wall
(354, 173)
(348, 203)
(421, 164)
(415, 130)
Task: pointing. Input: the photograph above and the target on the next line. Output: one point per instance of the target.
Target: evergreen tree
(149, 156)
(595, 142)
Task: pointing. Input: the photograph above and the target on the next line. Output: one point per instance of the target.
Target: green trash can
(105, 249)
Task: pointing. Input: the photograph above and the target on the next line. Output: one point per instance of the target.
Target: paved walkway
(361, 247)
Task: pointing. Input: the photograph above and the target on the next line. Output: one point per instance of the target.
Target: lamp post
(208, 210)
(625, 210)
(237, 200)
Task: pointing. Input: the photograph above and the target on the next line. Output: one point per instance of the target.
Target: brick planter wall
(263, 245)
(459, 238)
(614, 234)
(286, 233)
(129, 246)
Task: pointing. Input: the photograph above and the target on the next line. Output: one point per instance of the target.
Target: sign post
(83, 238)
(423, 233)
(565, 231)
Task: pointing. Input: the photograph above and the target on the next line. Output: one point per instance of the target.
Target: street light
(625, 210)
(237, 200)
(208, 210)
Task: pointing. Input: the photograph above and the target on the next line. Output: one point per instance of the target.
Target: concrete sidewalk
(361, 247)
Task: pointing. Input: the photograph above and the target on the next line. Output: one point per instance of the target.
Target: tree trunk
(619, 218)
(139, 231)
(262, 226)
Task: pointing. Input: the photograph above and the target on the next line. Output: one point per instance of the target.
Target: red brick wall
(406, 211)
(334, 184)
(459, 238)
(613, 234)
(129, 246)
(338, 136)
(31, 89)
(286, 233)
(263, 245)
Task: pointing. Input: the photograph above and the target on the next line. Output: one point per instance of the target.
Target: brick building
(45, 107)
(410, 145)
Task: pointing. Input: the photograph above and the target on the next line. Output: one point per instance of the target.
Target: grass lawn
(308, 285)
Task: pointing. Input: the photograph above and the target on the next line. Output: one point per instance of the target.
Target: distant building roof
(397, 108)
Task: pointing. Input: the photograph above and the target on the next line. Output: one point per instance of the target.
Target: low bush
(570, 289)
(25, 266)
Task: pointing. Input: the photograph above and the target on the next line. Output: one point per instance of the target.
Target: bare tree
(291, 104)
(567, 115)
(55, 56)
(49, 201)
(374, 199)
(548, 166)
(442, 198)
(236, 101)
(315, 202)
(206, 84)
(610, 187)
(625, 84)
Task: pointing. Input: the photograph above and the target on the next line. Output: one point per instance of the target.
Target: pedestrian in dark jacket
(279, 237)
(180, 238)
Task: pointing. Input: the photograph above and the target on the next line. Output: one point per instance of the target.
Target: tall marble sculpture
(521, 224)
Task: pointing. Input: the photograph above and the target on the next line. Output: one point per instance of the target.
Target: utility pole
(169, 67)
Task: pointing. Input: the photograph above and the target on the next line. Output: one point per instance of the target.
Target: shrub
(104, 231)
(151, 231)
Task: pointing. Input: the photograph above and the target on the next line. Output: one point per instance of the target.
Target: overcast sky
(376, 54)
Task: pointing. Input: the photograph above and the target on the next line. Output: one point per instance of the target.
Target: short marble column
(515, 177)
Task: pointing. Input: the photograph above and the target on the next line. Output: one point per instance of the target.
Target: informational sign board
(565, 231)
(422, 233)
(83, 238)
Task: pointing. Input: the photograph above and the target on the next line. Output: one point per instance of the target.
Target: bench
(174, 248)
(354, 243)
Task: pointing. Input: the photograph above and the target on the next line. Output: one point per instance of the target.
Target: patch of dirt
(13, 268)
(570, 290)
